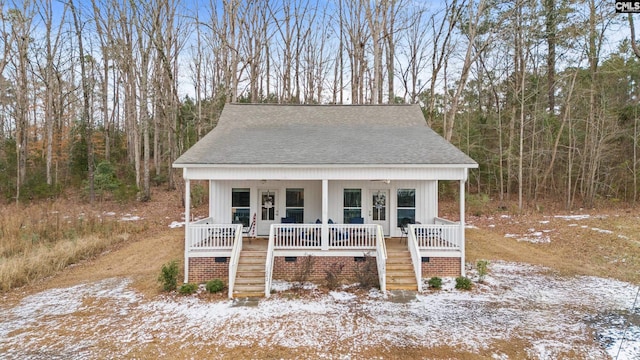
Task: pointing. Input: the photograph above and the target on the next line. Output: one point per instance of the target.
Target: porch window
(406, 206)
(240, 206)
(295, 205)
(352, 206)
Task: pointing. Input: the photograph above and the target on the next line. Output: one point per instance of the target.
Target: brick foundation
(442, 267)
(289, 271)
(206, 268)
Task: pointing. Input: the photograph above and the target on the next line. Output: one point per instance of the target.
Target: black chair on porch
(404, 228)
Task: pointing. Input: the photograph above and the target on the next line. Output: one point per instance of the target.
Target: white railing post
(414, 250)
(325, 215)
(235, 257)
(187, 214)
(268, 269)
(462, 244)
(381, 258)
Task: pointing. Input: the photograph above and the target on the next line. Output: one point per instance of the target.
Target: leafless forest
(102, 95)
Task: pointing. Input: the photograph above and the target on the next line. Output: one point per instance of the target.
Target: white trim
(336, 253)
(442, 253)
(209, 254)
(328, 173)
(323, 166)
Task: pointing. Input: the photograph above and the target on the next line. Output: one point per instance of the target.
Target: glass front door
(379, 212)
(268, 210)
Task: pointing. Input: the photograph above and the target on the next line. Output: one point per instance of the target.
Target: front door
(268, 214)
(379, 210)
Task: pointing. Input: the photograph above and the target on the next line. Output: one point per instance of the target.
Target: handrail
(416, 259)
(443, 221)
(235, 258)
(207, 220)
(381, 259)
(268, 267)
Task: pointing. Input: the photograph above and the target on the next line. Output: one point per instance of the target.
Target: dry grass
(39, 240)
(574, 250)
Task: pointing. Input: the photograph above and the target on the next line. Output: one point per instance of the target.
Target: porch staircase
(400, 275)
(251, 267)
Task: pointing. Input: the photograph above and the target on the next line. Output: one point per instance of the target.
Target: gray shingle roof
(322, 135)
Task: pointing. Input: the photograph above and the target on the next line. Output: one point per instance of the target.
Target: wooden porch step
(399, 267)
(402, 287)
(248, 291)
(244, 273)
(250, 267)
(400, 273)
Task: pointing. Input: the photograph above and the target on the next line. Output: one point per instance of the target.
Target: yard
(560, 285)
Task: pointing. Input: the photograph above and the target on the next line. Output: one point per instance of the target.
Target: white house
(332, 181)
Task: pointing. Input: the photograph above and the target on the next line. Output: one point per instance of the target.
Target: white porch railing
(381, 259)
(437, 237)
(235, 258)
(203, 235)
(416, 259)
(352, 236)
(441, 221)
(292, 236)
(268, 267)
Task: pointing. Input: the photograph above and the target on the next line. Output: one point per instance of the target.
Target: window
(406, 206)
(295, 205)
(352, 204)
(240, 206)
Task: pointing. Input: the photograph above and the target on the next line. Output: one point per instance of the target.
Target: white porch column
(211, 199)
(325, 215)
(462, 240)
(187, 216)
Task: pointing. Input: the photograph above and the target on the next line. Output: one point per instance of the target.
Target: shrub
(188, 289)
(169, 276)
(332, 276)
(463, 283)
(214, 286)
(303, 272)
(435, 283)
(482, 266)
(367, 273)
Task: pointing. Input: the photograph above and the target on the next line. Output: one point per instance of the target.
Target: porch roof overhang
(325, 172)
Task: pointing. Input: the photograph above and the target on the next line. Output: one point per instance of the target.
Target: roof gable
(256, 134)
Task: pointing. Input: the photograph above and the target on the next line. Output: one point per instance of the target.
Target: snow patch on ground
(602, 231)
(176, 224)
(532, 236)
(573, 217)
(129, 217)
(552, 315)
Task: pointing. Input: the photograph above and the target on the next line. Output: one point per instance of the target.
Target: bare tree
(20, 37)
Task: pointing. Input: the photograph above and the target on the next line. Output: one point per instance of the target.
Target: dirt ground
(596, 242)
